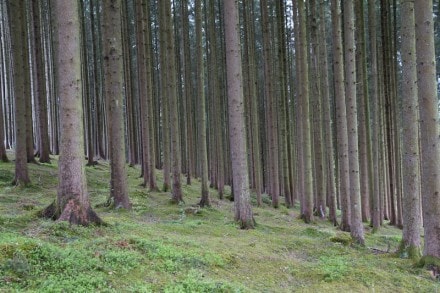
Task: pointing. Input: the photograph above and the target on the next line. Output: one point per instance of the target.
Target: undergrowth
(160, 247)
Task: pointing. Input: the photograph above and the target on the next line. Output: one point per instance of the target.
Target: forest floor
(160, 247)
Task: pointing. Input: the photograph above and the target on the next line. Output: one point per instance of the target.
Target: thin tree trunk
(272, 129)
(188, 89)
(356, 227)
(165, 94)
(307, 213)
(19, 56)
(327, 121)
(341, 117)
(248, 7)
(171, 83)
(202, 150)
(375, 110)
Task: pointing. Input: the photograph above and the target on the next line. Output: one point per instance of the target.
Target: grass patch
(159, 247)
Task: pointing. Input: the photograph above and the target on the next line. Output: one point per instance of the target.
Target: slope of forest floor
(160, 247)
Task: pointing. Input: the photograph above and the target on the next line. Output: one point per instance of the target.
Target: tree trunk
(270, 98)
(341, 117)
(429, 127)
(72, 202)
(237, 135)
(411, 243)
(327, 121)
(202, 151)
(248, 7)
(188, 90)
(171, 84)
(40, 86)
(114, 90)
(19, 56)
(356, 227)
(375, 110)
(165, 94)
(307, 212)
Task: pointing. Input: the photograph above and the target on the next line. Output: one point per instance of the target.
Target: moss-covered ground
(160, 247)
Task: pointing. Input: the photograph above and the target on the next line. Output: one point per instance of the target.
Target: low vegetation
(160, 247)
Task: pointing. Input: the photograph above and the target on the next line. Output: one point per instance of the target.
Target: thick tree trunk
(114, 91)
(72, 202)
(411, 243)
(429, 127)
(237, 136)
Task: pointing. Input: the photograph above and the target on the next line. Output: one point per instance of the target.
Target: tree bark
(19, 56)
(237, 136)
(356, 227)
(72, 202)
(114, 87)
(202, 150)
(411, 243)
(341, 117)
(307, 212)
(171, 84)
(429, 127)
(375, 110)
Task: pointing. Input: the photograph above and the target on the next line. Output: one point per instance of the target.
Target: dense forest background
(329, 105)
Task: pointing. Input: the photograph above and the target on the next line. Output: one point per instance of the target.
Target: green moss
(409, 251)
(428, 261)
(343, 238)
(159, 247)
